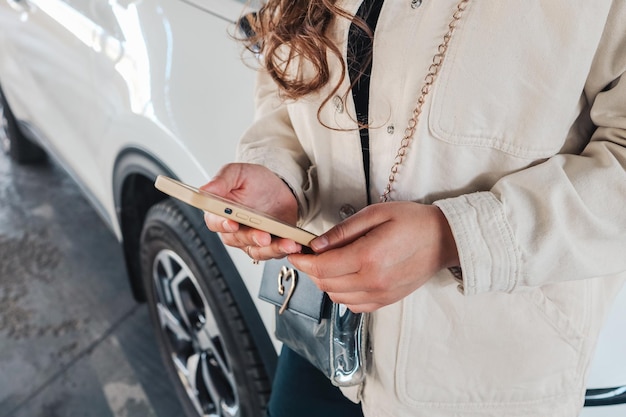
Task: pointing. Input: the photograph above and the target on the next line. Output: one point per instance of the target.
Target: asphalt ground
(73, 342)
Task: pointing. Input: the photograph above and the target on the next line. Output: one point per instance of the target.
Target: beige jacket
(522, 144)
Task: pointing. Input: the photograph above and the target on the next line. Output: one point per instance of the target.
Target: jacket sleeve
(565, 218)
(272, 142)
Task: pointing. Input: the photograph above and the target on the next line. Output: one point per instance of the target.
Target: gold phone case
(231, 210)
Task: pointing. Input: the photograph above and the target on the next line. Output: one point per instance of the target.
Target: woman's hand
(380, 255)
(257, 187)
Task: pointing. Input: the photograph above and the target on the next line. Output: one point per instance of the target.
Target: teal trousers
(301, 390)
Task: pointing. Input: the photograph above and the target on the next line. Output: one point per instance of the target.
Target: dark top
(359, 69)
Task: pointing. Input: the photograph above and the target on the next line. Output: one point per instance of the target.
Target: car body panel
(62, 98)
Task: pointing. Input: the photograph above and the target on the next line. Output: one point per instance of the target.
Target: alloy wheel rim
(5, 143)
(193, 339)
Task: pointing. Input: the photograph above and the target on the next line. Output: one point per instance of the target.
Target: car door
(57, 37)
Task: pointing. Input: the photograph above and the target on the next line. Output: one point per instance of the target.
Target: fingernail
(289, 248)
(226, 225)
(319, 243)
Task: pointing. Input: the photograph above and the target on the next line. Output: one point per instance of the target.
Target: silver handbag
(327, 334)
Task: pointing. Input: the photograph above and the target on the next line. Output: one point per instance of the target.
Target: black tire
(203, 340)
(14, 143)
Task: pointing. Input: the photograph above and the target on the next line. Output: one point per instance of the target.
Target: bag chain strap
(429, 80)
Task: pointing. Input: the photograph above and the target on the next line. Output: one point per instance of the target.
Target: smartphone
(231, 210)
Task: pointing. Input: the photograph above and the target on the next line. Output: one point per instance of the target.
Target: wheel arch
(133, 188)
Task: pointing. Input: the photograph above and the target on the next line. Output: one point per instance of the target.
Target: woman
(514, 174)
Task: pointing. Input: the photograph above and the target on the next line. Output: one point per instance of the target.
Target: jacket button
(338, 103)
(416, 3)
(391, 129)
(346, 211)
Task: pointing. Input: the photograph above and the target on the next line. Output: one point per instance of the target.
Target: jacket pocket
(489, 350)
(565, 307)
(517, 87)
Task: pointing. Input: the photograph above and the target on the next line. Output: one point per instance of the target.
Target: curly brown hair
(290, 33)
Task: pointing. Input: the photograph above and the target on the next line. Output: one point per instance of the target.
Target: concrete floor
(73, 342)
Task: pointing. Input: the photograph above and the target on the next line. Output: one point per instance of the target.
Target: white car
(119, 91)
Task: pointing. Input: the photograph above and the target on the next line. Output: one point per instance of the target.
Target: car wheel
(13, 142)
(203, 339)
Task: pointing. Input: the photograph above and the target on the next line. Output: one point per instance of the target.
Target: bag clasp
(286, 274)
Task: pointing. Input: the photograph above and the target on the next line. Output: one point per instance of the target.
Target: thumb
(224, 181)
(345, 232)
